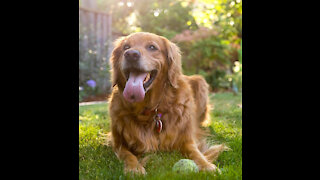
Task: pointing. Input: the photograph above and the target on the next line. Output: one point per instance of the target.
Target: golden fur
(182, 100)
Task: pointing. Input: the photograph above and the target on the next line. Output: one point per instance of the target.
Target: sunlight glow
(238, 1)
(231, 23)
(236, 66)
(211, 6)
(129, 4)
(232, 3)
(131, 19)
(184, 4)
(120, 3)
(236, 69)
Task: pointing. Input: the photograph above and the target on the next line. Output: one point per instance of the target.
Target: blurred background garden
(208, 32)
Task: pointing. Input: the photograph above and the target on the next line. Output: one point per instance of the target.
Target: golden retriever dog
(153, 106)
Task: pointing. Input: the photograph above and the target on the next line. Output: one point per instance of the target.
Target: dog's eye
(125, 47)
(152, 47)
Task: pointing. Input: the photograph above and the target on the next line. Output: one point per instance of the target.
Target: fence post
(109, 34)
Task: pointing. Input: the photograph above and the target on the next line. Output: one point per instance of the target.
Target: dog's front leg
(191, 150)
(131, 163)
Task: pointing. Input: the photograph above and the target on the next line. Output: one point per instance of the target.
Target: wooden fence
(95, 46)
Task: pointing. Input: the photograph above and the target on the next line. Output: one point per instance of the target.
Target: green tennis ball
(185, 166)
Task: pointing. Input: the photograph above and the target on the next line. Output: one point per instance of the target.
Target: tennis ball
(185, 166)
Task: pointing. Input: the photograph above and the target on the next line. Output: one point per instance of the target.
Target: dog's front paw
(135, 169)
(209, 167)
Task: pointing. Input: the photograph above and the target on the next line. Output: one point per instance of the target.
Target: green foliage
(204, 54)
(212, 55)
(213, 58)
(236, 76)
(166, 17)
(98, 161)
(217, 79)
(82, 95)
(91, 68)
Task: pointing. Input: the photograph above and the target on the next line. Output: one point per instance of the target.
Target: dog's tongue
(134, 91)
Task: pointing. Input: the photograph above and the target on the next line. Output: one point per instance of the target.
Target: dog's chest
(146, 138)
(141, 139)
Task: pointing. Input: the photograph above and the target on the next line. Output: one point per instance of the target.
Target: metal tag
(158, 122)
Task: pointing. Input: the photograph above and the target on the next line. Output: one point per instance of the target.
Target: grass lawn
(98, 161)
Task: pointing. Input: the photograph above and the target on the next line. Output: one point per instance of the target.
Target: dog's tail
(211, 152)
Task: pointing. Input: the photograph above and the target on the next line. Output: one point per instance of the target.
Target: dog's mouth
(138, 83)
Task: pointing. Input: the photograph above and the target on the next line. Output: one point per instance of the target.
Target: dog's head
(142, 61)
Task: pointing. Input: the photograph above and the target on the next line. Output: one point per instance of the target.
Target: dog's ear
(174, 62)
(114, 61)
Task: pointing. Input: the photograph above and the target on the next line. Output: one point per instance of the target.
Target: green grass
(98, 161)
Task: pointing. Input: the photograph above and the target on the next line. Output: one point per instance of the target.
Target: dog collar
(156, 117)
(147, 112)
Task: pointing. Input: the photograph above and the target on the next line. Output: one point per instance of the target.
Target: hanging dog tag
(158, 122)
(159, 126)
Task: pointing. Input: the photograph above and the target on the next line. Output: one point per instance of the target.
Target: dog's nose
(132, 55)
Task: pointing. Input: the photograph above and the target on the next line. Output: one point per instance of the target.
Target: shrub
(91, 68)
